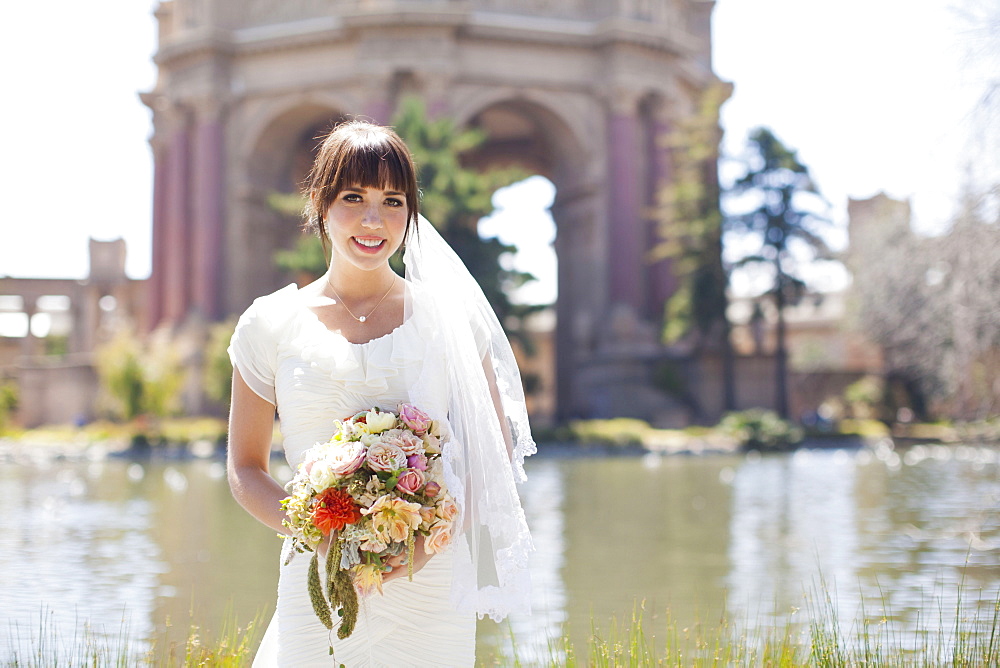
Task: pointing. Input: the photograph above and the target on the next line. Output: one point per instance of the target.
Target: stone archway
(575, 90)
(541, 139)
(274, 161)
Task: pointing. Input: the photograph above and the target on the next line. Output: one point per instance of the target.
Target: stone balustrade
(194, 14)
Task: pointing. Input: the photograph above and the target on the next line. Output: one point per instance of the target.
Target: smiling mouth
(370, 243)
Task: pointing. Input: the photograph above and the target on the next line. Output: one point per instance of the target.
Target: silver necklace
(362, 318)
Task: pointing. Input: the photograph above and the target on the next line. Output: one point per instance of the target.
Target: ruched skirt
(410, 624)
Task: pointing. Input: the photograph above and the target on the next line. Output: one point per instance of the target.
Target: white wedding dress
(314, 376)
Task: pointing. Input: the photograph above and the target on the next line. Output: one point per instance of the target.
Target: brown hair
(358, 153)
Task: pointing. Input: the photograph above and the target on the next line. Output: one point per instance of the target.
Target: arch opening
(525, 134)
(268, 216)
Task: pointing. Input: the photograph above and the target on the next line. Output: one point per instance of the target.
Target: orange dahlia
(334, 510)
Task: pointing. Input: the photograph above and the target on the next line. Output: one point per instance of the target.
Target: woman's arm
(251, 425)
(491, 379)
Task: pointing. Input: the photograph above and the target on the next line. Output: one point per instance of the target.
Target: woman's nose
(372, 218)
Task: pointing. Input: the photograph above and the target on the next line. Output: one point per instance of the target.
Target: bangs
(363, 155)
(373, 165)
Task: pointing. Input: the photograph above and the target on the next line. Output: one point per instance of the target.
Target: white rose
(370, 439)
(321, 475)
(379, 422)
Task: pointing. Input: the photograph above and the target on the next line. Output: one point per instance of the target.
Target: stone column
(379, 103)
(662, 282)
(625, 230)
(207, 214)
(177, 263)
(29, 345)
(579, 306)
(154, 307)
(90, 315)
(438, 90)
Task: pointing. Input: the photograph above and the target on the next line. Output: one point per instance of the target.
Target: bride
(361, 336)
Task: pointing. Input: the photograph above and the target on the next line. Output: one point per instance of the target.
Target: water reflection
(891, 536)
(74, 547)
(528, 638)
(162, 544)
(793, 523)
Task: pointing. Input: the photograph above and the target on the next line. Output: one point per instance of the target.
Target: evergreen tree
(689, 222)
(455, 197)
(776, 205)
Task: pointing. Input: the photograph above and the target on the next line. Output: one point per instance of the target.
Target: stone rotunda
(574, 90)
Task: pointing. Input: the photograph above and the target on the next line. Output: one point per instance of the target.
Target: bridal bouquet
(375, 486)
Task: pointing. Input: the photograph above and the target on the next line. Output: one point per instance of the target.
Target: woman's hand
(399, 568)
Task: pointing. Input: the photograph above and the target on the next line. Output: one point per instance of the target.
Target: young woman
(362, 336)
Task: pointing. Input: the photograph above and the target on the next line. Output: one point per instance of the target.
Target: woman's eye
(392, 201)
(352, 197)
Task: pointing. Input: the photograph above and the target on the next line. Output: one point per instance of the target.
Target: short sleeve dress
(314, 376)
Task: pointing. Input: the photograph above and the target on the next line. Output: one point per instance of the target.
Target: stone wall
(57, 391)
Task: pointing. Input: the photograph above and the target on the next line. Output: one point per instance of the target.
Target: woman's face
(366, 225)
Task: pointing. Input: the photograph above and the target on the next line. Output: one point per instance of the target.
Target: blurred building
(827, 351)
(580, 91)
(49, 328)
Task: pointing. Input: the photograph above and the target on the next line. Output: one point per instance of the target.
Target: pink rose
(447, 509)
(386, 457)
(417, 461)
(439, 538)
(427, 516)
(432, 489)
(407, 441)
(347, 458)
(411, 443)
(411, 481)
(414, 418)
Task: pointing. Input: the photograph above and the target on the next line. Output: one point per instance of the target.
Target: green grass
(43, 646)
(818, 640)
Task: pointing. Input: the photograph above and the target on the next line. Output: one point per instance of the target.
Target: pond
(155, 546)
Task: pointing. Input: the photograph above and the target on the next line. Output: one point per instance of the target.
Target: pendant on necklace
(362, 319)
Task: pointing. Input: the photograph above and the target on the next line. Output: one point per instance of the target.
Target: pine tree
(456, 197)
(777, 204)
(689, 226)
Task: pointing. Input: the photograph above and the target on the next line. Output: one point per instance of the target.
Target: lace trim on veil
(491, 555)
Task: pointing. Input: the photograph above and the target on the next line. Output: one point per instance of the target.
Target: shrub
(760, 429)
(8, 404)
(865, 396)
(218, 373)
(616, 431)
(139, 378)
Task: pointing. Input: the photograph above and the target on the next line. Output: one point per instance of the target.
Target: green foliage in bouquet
(366, 494)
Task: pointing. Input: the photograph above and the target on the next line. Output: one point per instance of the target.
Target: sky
(876, 95)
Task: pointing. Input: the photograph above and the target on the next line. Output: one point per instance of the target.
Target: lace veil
(482, 464)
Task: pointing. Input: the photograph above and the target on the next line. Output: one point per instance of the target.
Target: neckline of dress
(319, 323)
